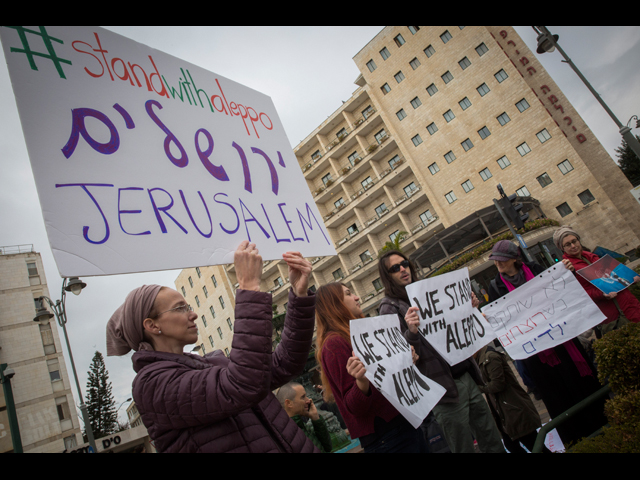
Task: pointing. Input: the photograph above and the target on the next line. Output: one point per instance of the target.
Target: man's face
(300, 402)
(403, 276)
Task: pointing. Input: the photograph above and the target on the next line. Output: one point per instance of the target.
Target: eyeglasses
(396, 268)
(569, 244)
(182, 309)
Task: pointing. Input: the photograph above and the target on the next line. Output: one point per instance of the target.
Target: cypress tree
(99, 400)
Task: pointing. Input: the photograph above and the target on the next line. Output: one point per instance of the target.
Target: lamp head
(75, 285)
(545, 45)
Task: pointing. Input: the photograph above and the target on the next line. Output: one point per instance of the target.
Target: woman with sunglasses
(367, 413)
(213, 403)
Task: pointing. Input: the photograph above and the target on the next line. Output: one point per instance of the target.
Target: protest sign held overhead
(145, 162)
(546, 311)
(386, 355)
(447, 319)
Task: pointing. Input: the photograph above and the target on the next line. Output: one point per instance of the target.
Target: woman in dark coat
(563, 375)
(213, 403)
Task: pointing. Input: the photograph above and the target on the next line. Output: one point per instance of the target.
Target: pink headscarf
(124, 329)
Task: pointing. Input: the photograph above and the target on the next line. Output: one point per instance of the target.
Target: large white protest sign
(386, 355)
(448, 321)
(145, 162)
(546, 311)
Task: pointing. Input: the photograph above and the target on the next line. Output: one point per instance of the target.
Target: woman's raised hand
(248, 264)
(299, 272)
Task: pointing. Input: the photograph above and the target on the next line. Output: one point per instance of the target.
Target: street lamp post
(74, 286)
(547, 43)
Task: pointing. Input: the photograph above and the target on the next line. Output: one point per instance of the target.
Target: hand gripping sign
(145, 162)
(447, 319)
(386, 355)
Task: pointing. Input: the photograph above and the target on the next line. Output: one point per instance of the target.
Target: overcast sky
(308, 72)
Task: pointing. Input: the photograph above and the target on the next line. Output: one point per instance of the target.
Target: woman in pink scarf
(564, 375)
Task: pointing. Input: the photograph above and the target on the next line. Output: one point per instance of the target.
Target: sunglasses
(396, 268)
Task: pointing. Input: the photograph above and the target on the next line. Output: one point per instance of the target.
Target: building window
(413, 29)
(352, 230)
(278, 282)
(220, 332)
(337, 274)
(415, 63)
(433, 168)
(409, 189)
(416, 140)
(523, 192)
(211, 341)
(377, 284)
(429, 51)
(464, 103)
(353, 157)
(231, 324)
(384, 53)
(381, 135)
(204, 320)
(184, 292)
(544, 180)
(415, 103)
(399, 76)
(586, 197)
(485, 174)
(451, 197)
(426, 217)
(47, 339)
(448, 116)
(484, 132)
(449, 156)
(445, 37)
(522, 105)
(565, 167)
(503, 119)
(401, 114)
(467, 186)
(327, 180)
(381, 209)
(367, 112)
(481, 49)
(564, 209)
(365, 256)
(190, 282)
(501, 76)
(543, 135)
(221, 301)
(447, 77)
(483, 89)
(467, 145)
(213, 313)
(215, 282)
(371, 65)
(393, 161)
(367, 183)
(394, 235)
(432, 89)
(523, 149)
(399, 40)
(385, 88)
(464, 63)
(205, 291)
(503, 162)
(197, 300)
(338, 203)
(432, 128)
(198, 272)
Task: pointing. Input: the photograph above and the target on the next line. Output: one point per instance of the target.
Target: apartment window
(367, 112)
(415, 63)
(447, 77)
(432, 128)
(429, 51)
(481, 49)
(413, 29)
(62, 407)
(464, 63)
(503, 162)
(338, 203)
(204, 320)
(485, 174)
(377, 284)
(564, 209)
(211, 340)
(215, 282)
(415, 103)
(205, 291)
(220, 332)
(503, 119)
(47, 338)
(445, 37)
(544, 180)
(32, 269)
(367, 183)
(543, 135)
(190, 282)
(523, 149)
(381, 209)
(399, 40)
(353, 157)
(522, 105)
(352, 230)
(198, 272)
(565, 167)
(385, 88)
(278, 282)
(213, 312)
(451, 197)
(53, 366)
(464, 103)
(426, 217)
(231, 324)
(523, 192)
(384, 53)
(381, 135)
(449, 156)
(433, 168)
(467, 145)
(371, 65)
(467, 186)
(337, 274)
(365, 256)
(394, 235)
(586, 197)
(221, 301)
(409, 189)
(326, 179)
(197, 300)
(484, 132)
(432, 89)
(483, 89)
(399, 76)
(401, 114)
(393, 161)
(448, 115)
(315, 155)
(501, 76)
(184, 292)
(416, 140)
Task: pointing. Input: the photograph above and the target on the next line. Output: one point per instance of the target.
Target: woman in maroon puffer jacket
(213, 403)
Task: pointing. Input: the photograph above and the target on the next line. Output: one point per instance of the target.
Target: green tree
(629, 162)
(395, 245)
(99, 400)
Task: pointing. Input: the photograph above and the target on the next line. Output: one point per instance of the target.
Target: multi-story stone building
(42, 397)
(441, 116)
